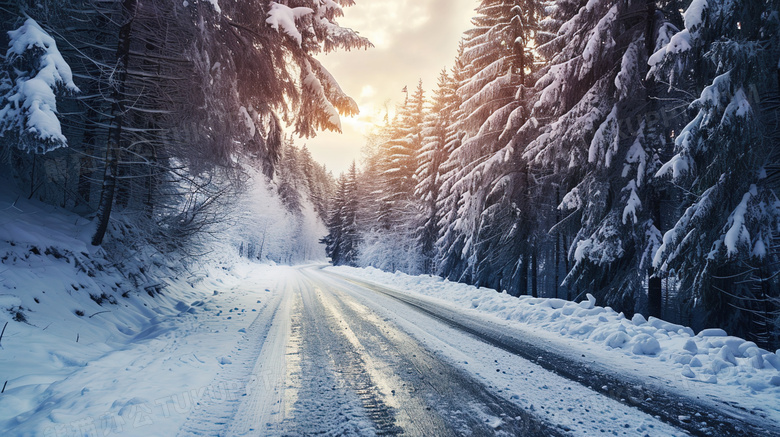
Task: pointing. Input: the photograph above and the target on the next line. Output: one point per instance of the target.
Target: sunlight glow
(413, 39)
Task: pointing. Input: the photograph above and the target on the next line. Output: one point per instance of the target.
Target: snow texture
(30, 104)
(89, 350)
(215, 4)
(694, 15)
(633, 204)
(737, 233)
(284, 17)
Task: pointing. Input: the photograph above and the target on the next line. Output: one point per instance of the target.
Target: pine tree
(34, 71)
(578, 134)
(449, 260)
(497, 59)
(343, 239)
(721, 246)
(403, 146)
(432, 154)
(391, 244)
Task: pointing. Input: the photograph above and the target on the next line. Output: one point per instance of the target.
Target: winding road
(332, 355)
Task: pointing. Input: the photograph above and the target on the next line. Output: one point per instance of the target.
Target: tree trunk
(113, 150)
(534, 274)
(654, 285)
(654, 289)
(654, 294)
(557, 266)
(523, 286)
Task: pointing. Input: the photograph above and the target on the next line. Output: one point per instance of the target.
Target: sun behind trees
(624, 149)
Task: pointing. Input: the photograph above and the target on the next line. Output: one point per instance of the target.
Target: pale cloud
(383, 21)
(414, 39)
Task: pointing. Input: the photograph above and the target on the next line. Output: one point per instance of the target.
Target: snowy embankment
(94, 344)
(709, 364)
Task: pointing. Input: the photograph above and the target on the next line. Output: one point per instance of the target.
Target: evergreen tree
(449, 258)
(33, 72)
(721, 246)
(390, 243)
(343, 239)
(432, 154)
(497, 59)
(579, 132)
(404, 142)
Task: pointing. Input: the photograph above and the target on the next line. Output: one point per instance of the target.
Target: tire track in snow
(216, 412)
(426, 395)
(327, 390)
(261, 412)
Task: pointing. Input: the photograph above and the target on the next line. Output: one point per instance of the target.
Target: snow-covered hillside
(72, 314)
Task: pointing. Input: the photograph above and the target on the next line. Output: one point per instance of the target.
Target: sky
(413, 39)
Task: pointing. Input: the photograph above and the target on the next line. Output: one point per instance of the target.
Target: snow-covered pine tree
(318, 182)
(585, 118)
(449, 261)
(33, 73)
(391, 243)
(498, 57)
(343, 238)
(290, 177)
(335, 224)
(403, 148)
(371, 183)
(723, 247)
(432, 154)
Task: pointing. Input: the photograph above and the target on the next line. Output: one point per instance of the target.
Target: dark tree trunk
(654, 286)
(654, 294)
(557, 242)
(534, 274)
(523, 286)
(113, 149)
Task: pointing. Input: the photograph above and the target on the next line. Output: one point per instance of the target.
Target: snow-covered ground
(92, 349)
(709, 364)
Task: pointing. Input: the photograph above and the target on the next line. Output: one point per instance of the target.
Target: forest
(182, 110)
(621, 148)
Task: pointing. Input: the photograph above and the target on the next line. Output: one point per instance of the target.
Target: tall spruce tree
(722, 246)
(498, 58)
(433, 152)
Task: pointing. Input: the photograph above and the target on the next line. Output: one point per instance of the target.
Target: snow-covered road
(268, 351)
(339, 357)
(325, 361)
(697, 415)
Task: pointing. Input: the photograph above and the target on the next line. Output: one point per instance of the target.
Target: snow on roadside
(92, 349)
(737, 370)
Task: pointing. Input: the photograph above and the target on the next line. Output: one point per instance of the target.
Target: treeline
(158, 109)
(627, 149)
(282, 221)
